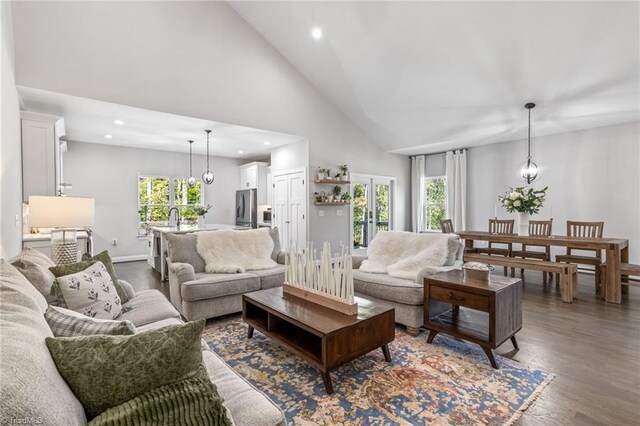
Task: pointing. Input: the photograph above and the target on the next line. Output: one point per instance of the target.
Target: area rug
(449, 382)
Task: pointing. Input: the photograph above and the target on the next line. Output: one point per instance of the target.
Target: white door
(279, 209)
(297, 210)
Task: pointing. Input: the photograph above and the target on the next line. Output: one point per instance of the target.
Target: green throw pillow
(67, 323)
(106, 259)
(105, 371)
(188, 402)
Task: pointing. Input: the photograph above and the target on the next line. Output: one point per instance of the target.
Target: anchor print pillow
(91, 292)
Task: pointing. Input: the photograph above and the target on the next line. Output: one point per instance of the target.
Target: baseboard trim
(122, 259)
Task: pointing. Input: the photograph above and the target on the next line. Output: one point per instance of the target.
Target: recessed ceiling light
(267, 142)
(118, 122)
(241, 152)
(316, 33)
(108, 137)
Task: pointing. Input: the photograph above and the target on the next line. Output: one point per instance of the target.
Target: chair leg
(557, 279)
(506, 271)
(544, 278)
(597, 279)
(521, 272)
(513, 272)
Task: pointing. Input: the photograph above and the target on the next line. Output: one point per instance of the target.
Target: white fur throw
(405, 254)
(228, 252)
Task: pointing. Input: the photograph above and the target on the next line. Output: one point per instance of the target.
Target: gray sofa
(197, 294)
(32, 390)
(406, 296)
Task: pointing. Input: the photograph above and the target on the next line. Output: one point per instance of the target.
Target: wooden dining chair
(446, 226)
(499, 226)
(584, 230)
(537, 228)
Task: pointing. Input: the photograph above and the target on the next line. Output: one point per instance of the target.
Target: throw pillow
(68, 323)
(275, 236)
(189, 401)
(67, 269)
(182, 249)
(39, 277)
(105, 371)
(90, 292)
(108, 263)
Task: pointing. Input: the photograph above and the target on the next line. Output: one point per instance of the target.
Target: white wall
(110, 174)
(198, 59)
(290, 157)
(10, 145)
(593, 175)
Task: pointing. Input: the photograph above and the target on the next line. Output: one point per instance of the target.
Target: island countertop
(184, 229)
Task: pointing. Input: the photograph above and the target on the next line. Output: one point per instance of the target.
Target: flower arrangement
(201, 210)
(523, 200)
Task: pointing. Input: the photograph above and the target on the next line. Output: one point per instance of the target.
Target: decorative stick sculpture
(325, 281)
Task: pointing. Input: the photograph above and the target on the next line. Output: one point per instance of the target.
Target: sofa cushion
(67, 323)
(247, 405)
(91, 292)
(28, 392)
(158, 324)
(182, 249)
(270, 278)
(210, 286)
(105, 371)
(148, 306)
(385, 287)
(40, 277)
(35, 256)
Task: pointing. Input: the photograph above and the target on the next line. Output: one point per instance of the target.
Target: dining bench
(568, 271)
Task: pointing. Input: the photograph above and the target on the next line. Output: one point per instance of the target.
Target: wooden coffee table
(324, 338)
(484, 312)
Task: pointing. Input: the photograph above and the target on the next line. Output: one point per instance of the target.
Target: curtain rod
(438, 153)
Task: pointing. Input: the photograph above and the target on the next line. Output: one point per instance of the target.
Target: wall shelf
(338, 203)
(333, 181)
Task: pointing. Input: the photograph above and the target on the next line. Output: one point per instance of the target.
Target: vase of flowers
(201, 211)
(525, 202)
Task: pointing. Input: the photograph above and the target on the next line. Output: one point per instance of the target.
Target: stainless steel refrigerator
(246, 208)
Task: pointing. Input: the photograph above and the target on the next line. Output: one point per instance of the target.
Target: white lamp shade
(60, 212)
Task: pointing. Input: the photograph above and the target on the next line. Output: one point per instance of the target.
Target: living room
(418, 110)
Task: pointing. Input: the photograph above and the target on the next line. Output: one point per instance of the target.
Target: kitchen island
(156, 255)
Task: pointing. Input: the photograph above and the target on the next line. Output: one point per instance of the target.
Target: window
(435, 202)
(158, 194)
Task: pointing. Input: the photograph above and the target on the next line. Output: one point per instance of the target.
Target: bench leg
(567, 287)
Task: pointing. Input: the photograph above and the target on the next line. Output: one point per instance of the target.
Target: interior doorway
(371, 209)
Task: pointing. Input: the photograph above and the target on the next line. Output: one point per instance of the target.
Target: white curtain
(417, 192)
(456, 172)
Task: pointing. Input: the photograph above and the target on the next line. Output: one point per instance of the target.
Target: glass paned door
(372, 207)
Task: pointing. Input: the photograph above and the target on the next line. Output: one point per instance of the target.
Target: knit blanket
(228, 251)
(405, 254)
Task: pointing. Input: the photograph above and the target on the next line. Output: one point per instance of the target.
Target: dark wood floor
(592, 347)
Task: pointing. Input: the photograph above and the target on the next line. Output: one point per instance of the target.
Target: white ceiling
(429, 76)
(88, 120)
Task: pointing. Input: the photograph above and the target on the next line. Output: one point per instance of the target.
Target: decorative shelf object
(333, 181)
(338, 203)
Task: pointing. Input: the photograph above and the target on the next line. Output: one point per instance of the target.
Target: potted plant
(525, 202)
(319, 196)
(346, 197)
(336, 190)
(201, 211)
(344, 169)
(337, 176)
(322, 173)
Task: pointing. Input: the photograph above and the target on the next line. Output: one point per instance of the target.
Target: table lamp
(64, 215)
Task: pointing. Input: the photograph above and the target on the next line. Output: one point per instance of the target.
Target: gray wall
(10, 145)
(223, 71)
(110, 174)
(592, 174)
(289, 157)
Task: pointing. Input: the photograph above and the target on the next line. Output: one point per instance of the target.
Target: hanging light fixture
(191, 181)
(529, 170)
(207, 176)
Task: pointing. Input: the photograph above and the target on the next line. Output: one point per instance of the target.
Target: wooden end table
(324, 338)
(484, 312)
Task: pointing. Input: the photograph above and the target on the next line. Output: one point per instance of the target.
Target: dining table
(616, 252)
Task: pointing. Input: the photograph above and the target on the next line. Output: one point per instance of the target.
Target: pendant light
(529, 170)
(191, 181)
(207, 176)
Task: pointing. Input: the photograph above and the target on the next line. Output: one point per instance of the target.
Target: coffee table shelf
(324, 338)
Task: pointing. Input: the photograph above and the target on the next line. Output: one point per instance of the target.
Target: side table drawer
(460, 298)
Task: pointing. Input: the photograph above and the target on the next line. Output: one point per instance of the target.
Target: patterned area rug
(447, 383)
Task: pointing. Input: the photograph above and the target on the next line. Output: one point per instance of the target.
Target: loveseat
(406, 295)
(198, 294)
(32, 390)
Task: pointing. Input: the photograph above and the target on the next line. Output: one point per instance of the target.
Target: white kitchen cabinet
(254, 175)
(42, 149)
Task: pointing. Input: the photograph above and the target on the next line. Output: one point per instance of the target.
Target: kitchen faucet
(177, 216)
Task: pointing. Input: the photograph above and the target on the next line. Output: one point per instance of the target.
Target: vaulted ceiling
(430, 76)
